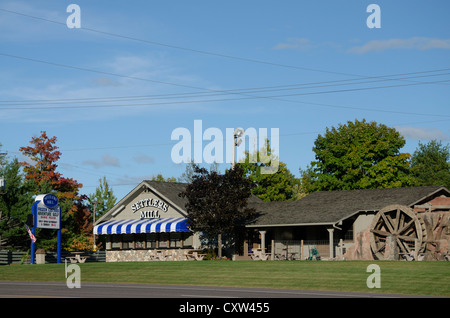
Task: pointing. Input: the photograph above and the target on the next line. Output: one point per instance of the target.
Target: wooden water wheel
(403, 225)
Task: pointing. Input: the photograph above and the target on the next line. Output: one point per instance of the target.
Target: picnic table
(194, 255)
(77, 257)
(259, 254)
(286, 255)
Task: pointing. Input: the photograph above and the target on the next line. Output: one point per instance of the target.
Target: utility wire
(276, 97)
(222, 92)
(246, 96)
(273, 97)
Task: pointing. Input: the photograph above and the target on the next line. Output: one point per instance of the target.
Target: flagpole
(58, 246)
(33, 230)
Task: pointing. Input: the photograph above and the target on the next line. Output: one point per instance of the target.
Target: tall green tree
(359, 155)
(217, 203)
(103, 197)
(280, 185)
(15, 203)
(430, 164)
(160, 177)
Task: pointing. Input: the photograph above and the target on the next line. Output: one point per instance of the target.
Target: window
(115, 241)
(163, 239)
(139, 241)
(151, 240)
(348, 236)
(175, 239)
(127, 241)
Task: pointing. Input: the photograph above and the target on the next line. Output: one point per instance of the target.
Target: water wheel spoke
(409, 232)
(387, 223)
(405, 227)
(397, 220)
(404, 247)
(401, 222)
(407, 238)
(380, 232)
(381, 245)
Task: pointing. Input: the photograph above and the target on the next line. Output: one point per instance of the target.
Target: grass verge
(413, 278)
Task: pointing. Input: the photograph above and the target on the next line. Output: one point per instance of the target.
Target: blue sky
(113, 91)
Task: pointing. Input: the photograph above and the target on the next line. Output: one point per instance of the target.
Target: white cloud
(304, 44)
(127, 64)
(295, 44)
(104, 81)
(422, 133)
(414, 43)
(106, 160)
(144, 159)
(132, 180)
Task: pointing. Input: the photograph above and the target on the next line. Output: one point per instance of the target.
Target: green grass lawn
(419, 278)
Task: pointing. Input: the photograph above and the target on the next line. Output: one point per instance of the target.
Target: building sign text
(154, 203)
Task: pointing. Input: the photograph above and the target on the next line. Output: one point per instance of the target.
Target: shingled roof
(171, 190)
(330, 207)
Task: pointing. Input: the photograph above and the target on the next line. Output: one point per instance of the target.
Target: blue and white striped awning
(142, 226)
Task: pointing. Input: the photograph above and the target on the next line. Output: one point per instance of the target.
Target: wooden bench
(77, 258)
(194, 255)
(258, 254)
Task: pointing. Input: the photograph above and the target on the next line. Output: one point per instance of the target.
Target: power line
(97, 71)
(245, 96)
(273, 97)
(212, 92)
(222, 92)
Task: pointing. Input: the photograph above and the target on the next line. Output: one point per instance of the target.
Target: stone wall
(149, 255)
(128, 256)
(361, 248)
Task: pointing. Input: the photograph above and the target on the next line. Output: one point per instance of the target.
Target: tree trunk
(219, 245)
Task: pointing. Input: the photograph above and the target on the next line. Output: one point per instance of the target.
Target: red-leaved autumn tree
(42, 171)
(41, 174)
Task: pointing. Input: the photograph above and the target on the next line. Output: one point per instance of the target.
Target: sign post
(47, 215)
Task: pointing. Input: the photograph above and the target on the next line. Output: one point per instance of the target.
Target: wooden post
(272, 250)
(301, 249)
(246, 247)
(416, 249)
(330, 232)
(219, 245)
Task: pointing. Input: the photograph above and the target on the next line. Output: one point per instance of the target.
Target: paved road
(11, 289)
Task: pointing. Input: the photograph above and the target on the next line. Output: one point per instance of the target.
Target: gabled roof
(330, 207)
(166, 190)
(170, 190)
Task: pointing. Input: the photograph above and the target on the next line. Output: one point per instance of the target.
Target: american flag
(33, 238)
